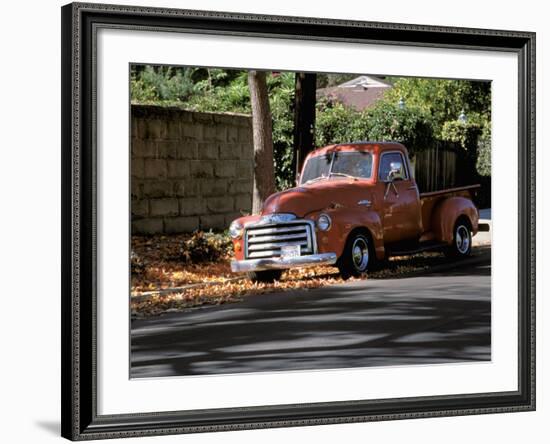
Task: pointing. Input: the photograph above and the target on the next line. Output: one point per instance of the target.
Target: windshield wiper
(315, 179)
(343, 175)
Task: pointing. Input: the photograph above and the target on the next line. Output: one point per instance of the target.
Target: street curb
(148, 294)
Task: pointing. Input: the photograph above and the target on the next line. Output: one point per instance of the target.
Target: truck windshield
(357, 164)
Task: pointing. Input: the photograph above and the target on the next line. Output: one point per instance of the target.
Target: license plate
(290, 251)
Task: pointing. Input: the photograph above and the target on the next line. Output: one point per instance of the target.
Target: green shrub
(221, 93)
(336, 123)
(466, 134)
(483, 164)
(281, 101)
(443, 99)
(161, 84)
(206, 247)
(411, 126)
(385, 122)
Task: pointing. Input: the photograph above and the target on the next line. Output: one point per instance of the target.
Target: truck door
(400, 199)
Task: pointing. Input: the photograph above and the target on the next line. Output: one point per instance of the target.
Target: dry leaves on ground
(160, 266)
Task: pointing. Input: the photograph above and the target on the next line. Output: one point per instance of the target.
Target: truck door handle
(365, 202)
(412, 187)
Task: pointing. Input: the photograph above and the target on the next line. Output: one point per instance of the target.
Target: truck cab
(354, 205)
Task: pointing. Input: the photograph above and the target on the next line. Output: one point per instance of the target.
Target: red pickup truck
(355, 205)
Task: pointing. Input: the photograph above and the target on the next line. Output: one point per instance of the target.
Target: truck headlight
(324, 222)
(235, 229)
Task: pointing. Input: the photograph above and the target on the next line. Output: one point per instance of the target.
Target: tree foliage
(281, 99)
(220, 92)
(465, 134)
(410, 126)
(429, 115)
(483, 163)
(162, 84)
(443, 100)
(337, 123)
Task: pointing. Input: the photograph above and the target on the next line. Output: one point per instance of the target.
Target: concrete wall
(189, 170)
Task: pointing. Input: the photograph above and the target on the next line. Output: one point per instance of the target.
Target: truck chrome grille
(267, 240)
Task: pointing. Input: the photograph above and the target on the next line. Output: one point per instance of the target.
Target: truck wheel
(357, 256)
(462, 240)
(266, 276)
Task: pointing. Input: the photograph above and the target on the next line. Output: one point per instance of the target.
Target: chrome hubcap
(462, 239)
(360, 253)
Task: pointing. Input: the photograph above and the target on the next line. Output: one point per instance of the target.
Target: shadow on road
(432, 319)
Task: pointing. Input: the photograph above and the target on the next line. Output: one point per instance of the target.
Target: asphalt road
(436, 318)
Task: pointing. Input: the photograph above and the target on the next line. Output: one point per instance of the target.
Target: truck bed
(429, 200)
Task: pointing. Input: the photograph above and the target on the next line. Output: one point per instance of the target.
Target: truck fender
(344, 221)
(447, 213)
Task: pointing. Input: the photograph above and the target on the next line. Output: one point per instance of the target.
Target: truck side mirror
(396, 171)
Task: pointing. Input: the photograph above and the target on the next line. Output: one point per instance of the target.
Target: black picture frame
(79, 386)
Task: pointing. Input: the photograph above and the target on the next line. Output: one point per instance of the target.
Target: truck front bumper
(280, 263)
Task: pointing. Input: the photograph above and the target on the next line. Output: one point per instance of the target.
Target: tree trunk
(304, 118)
(264, 176)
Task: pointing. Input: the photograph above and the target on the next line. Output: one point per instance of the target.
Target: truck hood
(318, 196)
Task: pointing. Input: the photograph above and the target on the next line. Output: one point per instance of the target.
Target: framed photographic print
(277, 221)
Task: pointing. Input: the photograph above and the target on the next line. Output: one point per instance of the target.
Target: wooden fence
(436, 168)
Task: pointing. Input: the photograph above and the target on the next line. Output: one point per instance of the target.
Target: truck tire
(265, 276)
(462, 240)
(357, 257)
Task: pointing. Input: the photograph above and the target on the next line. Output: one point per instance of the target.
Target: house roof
(365, 82)
(359, 93)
